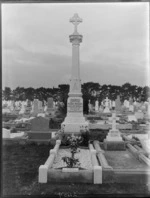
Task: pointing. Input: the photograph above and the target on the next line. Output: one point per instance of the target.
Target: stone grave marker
(113, 139)
(35, 107)
(39, 124)
(40, 107)
(118, 104)
(106, 110)
(50, 106)
(39, 130)
(96, 105)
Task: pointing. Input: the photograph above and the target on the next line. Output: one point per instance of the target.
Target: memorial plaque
(75, 105)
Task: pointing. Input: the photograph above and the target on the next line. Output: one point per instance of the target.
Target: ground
(20, 176)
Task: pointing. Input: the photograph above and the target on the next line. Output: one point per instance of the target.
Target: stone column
(75, 82)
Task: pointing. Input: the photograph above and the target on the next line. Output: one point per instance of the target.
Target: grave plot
(55, 169)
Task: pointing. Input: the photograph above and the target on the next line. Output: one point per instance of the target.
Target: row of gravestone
(130, 105)
(27, 107)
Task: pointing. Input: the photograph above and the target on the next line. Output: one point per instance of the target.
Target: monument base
(106, 110)
(114, 145)
(114, 141)
(74, 123)
(114, 135)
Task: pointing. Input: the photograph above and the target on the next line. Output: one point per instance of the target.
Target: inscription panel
(75, 105)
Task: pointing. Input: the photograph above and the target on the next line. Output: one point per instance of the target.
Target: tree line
(90, 90)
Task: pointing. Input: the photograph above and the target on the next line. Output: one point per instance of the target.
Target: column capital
(75, 39)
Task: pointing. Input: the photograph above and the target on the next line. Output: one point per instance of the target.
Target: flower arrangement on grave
(74, 142)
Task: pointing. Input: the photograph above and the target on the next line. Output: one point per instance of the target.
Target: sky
(36, 51)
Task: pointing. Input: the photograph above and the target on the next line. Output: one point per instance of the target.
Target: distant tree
(7, 93)
(29, 93)
(63, 95)
(19, 93)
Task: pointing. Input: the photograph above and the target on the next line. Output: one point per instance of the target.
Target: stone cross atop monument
(76, 20)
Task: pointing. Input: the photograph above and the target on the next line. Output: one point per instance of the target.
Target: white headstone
(96, 105)
(106, 110)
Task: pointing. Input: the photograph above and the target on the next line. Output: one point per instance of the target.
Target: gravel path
(83, 156)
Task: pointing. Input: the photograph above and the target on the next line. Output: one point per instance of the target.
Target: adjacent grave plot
(123, 160)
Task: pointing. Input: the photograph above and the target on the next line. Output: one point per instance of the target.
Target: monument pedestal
(106, 110)
(75, 121)
(114, 141)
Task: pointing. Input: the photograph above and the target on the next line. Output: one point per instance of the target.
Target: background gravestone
(50, 107)
(118, 104)
(130, 101)
(35, 107)
(39, 130)
(40, 124)
(50, 103)
(40, 107)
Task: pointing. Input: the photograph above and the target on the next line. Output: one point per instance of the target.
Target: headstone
(40, 107)
(50, 107)
(89, 106)
(96, 105)
(130, 101)
(35, 107)
(110, 104)
(114, 134)
(132, 118)
(40, 124)
(45, 108)
(39, 130)
(106, 110)
(113, 139)
(22, 111)
(28, 108)
(139, 115)
(101, 109)
(131, 108)
(118, 104)
(113, 104)
(50, 103)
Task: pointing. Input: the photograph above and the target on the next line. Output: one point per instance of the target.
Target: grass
(20, 176)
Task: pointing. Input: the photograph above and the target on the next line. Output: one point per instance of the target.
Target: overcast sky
(36, 51)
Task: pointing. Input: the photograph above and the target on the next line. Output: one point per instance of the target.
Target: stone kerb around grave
(49, 173)
(43, 169)
(39, 129)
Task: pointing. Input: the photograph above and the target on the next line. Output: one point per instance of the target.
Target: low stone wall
(131, 176)
(82, 176)
(96, 167)
(139, 154)
(43, 169)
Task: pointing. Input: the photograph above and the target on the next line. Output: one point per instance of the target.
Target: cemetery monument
(75, 121)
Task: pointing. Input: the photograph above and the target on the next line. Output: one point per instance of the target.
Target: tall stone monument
(75, 121)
